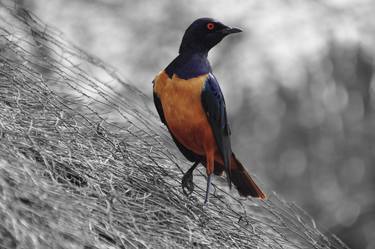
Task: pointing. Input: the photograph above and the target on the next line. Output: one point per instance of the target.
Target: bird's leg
(208, 189)
(187, 180)
(210, 164)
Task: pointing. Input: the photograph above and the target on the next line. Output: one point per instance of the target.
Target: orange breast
(183, 111)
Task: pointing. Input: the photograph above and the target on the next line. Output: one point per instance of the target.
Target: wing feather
(214, 106)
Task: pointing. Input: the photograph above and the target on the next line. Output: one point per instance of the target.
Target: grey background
(299, 85)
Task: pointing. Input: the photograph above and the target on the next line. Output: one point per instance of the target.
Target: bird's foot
(187, 183)
(205, 205)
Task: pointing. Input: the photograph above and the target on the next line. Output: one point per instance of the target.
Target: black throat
(189, 64)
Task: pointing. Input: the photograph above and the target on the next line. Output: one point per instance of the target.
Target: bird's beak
(230, 30)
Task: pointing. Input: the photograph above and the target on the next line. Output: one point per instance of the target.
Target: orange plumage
(187, 121)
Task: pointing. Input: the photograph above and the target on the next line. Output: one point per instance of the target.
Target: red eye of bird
(210, 26)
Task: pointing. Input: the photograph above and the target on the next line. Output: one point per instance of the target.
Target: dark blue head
(203, 34)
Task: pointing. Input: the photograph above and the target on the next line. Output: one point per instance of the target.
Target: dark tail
(243, 181)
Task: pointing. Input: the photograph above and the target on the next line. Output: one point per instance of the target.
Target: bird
(189, 101)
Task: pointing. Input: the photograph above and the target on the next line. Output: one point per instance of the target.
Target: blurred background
(299, 86)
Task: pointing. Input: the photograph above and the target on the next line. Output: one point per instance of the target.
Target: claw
(187, 184)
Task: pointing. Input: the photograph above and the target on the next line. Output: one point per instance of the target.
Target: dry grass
(82, 166)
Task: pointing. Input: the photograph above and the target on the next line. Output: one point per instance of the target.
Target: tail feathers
(243, 181)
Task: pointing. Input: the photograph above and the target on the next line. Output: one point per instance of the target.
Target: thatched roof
(82, 166)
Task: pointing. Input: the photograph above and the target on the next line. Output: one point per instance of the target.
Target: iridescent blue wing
(214, 106)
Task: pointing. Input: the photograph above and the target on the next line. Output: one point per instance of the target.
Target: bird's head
(203, 34)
